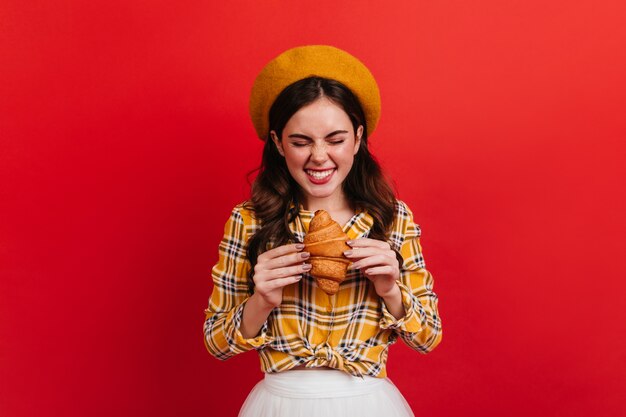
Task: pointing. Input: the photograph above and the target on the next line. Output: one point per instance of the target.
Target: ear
(357, 139)
(277, 142)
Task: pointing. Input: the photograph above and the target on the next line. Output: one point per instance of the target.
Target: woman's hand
(277, 268)
(378, 263)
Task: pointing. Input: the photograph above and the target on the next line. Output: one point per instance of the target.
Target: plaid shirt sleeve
(420, 328)
(222, 336)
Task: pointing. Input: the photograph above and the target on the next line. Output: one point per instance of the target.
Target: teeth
(318, 175)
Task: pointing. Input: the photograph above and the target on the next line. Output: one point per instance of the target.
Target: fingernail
(354, 266)
(348, 253)
(306, 267)
(298, 277)
(350, 242)
(300, 246)
(304, 255)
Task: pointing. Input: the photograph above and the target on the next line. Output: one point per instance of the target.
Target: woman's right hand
(277, 268)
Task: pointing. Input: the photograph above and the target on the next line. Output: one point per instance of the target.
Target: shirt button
(329, 308)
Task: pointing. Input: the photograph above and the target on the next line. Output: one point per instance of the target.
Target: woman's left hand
(377, 261)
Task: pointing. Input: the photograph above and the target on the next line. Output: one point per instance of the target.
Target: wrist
(392, 294)
(260, 304)
(255, 313)
(393, 301)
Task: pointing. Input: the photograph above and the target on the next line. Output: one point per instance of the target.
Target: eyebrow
(301, 136)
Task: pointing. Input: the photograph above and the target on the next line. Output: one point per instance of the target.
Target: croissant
(326, 243)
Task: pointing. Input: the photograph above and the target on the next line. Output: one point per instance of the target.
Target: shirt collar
(358, 226)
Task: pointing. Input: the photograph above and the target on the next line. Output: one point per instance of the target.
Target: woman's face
(319, 144)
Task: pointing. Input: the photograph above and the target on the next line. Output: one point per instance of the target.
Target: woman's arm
(255, 314)
(420, 327)
(236, 320)
(405, 286)
(274, 270)
(393, 302)
(224, 318)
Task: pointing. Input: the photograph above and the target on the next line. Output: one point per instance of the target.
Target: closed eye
(337, 142)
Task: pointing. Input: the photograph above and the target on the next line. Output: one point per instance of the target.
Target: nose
(319, 153)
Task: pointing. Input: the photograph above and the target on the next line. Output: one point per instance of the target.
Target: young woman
(315, 107)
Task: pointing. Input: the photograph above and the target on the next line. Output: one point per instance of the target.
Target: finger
(288, 271)
(282, 250)
(367, 242)
(362, 252)
(283, 282)
(286, 260)
(380, 270)
(371, 261)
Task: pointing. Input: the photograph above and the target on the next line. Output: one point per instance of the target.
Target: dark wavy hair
(274, 189)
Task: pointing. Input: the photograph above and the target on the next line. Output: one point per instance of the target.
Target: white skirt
(324, 393)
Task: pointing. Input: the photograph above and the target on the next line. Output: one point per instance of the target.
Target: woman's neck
(339, 209)
(338, 203)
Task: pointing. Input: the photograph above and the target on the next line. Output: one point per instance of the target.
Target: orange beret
(313, 60)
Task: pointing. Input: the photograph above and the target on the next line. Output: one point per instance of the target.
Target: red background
(125, 141)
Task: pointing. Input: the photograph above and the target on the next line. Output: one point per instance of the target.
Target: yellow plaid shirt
(350, 331)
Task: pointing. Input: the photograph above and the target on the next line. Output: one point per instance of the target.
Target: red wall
(125, 141)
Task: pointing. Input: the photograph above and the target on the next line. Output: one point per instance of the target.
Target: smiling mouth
(319, 175)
